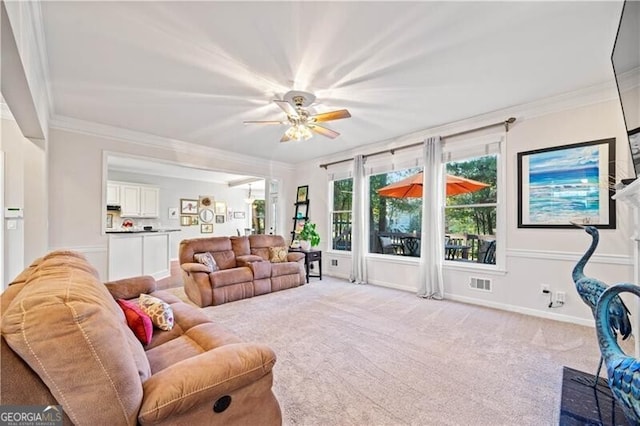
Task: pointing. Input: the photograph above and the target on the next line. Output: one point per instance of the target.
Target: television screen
(626, 67)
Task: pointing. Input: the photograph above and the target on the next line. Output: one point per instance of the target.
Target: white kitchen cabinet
(129, 200)
(113, 194)
(149, 201)
(139, 200)
(144, 253)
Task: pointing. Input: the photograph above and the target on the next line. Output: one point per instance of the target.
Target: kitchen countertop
(142, 231)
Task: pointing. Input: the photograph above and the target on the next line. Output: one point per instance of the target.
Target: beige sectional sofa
(65, 341)
(244, 268)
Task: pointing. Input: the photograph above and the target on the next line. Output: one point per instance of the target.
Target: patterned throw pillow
(206, 259)
(277, 254)
(138, 321)
(158, 310)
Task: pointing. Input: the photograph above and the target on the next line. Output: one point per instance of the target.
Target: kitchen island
(139, 252)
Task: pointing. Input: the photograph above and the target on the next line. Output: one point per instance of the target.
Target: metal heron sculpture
(623, 371)
(590, 290)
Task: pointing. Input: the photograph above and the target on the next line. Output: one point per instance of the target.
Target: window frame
(500, 204)
(330, 227)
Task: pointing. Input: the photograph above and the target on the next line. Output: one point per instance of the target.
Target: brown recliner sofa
(65, 341)
(244, 268)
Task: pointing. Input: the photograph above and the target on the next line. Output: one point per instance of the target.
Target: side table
(311, 256)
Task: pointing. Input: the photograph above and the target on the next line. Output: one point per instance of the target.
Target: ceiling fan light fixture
(299, 132)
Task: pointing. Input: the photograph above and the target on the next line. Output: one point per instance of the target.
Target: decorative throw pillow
(206, 259)
(138, 321)
(277, 254)
(158, 310)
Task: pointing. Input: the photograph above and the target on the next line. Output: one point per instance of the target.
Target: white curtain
(358, 237)
(432, 241)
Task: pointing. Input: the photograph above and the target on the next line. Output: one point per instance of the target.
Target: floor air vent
(483, 284)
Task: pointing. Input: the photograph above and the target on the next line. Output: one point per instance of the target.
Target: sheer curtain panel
(430, 284)
(358, 237)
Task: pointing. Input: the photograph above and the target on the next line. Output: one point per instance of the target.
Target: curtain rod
(504, 123)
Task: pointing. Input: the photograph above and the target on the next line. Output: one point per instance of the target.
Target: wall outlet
(545, 288)
(560, 297)
(334, 262)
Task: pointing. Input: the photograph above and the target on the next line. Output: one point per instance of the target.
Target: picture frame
(205, 201)
(185, 220)
(302, 211)
(220, 218)
(302, 194)
(220, 207)
(194, 220)
(188, 206)
(567, 184)
(206, 228)
(239, 215)
(173, 213)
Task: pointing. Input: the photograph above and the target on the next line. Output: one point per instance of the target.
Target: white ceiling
(193, 71)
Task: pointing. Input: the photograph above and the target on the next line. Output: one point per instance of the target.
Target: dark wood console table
(311, 256)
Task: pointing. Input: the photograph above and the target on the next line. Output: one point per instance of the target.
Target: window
(257, 216)
(395, 220)
(342, 191)
(471, 210)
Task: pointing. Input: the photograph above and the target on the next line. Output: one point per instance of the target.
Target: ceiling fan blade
(287, 108)
(332, 115)
(285, 138)
(263, 122)
(324, 131)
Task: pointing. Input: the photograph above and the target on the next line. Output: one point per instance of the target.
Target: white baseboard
(488, 304)
(521, 310)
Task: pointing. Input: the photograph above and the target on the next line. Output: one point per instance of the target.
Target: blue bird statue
(590, 290)
(623, 371)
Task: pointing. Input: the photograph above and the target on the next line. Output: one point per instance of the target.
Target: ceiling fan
(303, 123)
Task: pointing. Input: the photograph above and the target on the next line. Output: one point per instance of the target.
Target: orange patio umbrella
(411, 187)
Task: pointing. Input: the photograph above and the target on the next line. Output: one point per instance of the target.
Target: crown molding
(157, 142)
(37, 26)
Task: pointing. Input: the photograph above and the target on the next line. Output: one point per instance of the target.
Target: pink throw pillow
(138, 321)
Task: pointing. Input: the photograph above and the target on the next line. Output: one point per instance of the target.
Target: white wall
(25, 187)
(77, 167)
(172, 190)
(533, 256)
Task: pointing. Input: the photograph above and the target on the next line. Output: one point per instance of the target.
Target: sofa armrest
(295, 256)
(247, 259)
(130, 288)
(195, 267)
(203, 379)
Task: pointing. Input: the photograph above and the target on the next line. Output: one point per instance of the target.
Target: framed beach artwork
(565, 184)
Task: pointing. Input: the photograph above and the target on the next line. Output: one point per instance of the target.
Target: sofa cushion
(207, 260)
(277, 254)
(64, 321)
(138, 321)
(263, 252)
(219, 247)
(158, 310)
(240, 245)
(286, 268)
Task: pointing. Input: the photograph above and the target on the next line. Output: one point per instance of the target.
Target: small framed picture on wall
(206, 228)
(219, 218)
(188, 206)
(303, 194)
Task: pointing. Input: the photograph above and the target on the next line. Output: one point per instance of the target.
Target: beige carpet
(365, 355)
